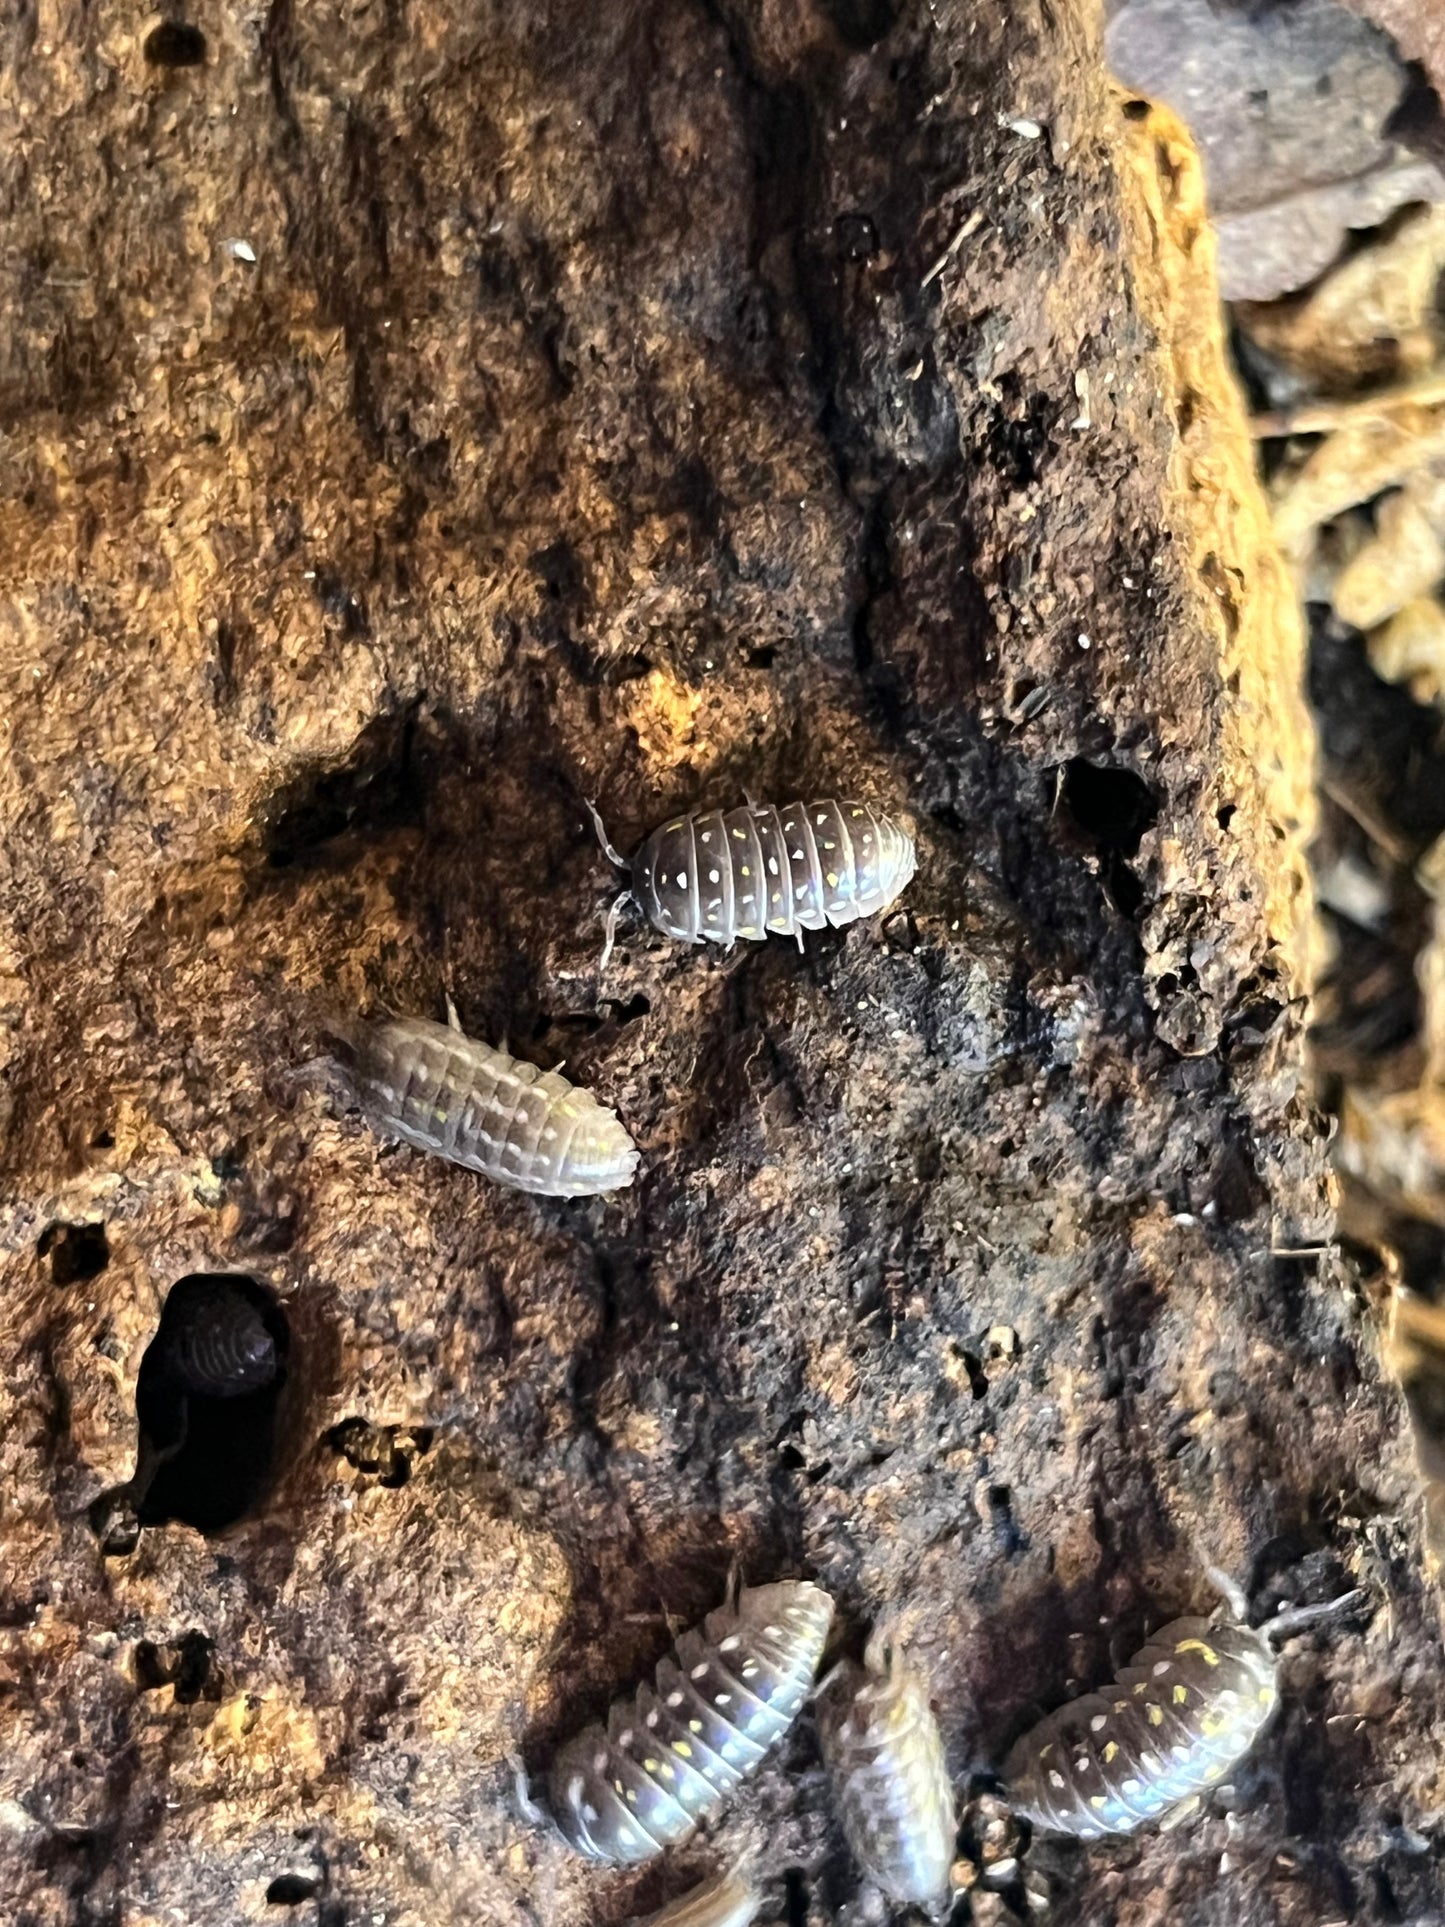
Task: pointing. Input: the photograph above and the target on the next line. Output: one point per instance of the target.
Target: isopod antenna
(624, 897)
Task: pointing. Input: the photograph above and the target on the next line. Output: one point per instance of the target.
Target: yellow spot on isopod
(1181, 1695)
(1097, 1800)
(1154, 1715)
(832, 879)
(682, 1748)
(1111, 1752)
(1207, 1653)
(1266, 1696)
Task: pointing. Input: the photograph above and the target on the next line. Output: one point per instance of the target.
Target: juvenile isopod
(763, 869)
(671, 1755)
(1187, 1708)
(885, 1755)
(441, 1091)
(723, 1902)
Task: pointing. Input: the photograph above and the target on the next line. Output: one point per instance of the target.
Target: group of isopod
(717, 877)
(1186, 1709)
(1146, 1749)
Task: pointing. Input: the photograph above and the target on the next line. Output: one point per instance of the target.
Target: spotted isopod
(441, 1091)
(763, 869)
(722, 1902)
(1187, 1708)
(671, 1755)
(885, 1755)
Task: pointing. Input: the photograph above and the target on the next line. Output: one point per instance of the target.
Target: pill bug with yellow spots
(672, 1754)
(765, 870)
(444, 1092)
(1185, 1710)
(723, 1902)
(885, 1755)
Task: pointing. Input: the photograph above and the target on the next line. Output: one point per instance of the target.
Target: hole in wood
(77, 1252)
(174, 44)
(206, 1402)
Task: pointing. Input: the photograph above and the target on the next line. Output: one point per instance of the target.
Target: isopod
(1187, 1708)
(441, 1091)
(722, 1902)
(207, 1402)
(885, 1755)
(670, 1756)
(218, 1337)
(724, 874)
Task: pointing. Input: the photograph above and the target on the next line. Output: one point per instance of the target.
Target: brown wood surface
(416, 419)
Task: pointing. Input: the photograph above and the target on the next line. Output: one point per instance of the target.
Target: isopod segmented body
(441, 1091)
(670, 1755)
(724, 1902)
(885, 1754)
(1186, 1708)
(763, 869)
(218, 1337)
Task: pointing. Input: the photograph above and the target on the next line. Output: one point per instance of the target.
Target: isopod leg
(533, 1814)
(1232, 1594)
(1294, 1619)
(609, 933)
(1177, 1815)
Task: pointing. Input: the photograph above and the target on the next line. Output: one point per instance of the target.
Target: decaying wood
(420, 420)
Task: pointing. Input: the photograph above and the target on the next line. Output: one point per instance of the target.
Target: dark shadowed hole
(77, 1252)
(378, 788)
(628, 1011)
(184, 1665)
(207, 1398)
(193, 1655)
(174, 44)
(151, 1669)
(290, 1889)
(1001, 1516)
(977, 1377)
(383, 1452)
(559, 570)
(1113, 806)
(795, 1897)
(860, 23)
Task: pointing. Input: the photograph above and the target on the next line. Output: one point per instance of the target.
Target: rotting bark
(652, 402)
